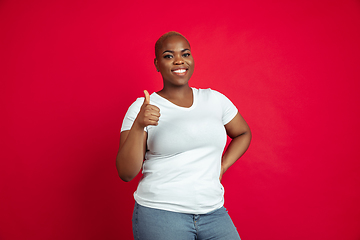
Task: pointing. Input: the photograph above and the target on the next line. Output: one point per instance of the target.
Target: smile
(180, 71)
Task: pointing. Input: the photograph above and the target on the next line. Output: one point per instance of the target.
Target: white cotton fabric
(183, 162)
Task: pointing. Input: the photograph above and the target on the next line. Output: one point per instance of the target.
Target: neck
(182, 96)
(175, 92)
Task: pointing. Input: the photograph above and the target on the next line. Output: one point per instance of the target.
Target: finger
(147, 97)
(155, 114)
(151, 114)
(153, 117)
(152, 108)
(153, 122)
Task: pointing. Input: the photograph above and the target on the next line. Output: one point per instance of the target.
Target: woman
(181, 133)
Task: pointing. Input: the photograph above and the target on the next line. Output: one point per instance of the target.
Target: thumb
(147, 97)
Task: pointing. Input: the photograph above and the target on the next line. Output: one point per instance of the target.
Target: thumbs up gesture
(149, 114)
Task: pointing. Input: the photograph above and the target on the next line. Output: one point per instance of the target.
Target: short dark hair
(160, 41)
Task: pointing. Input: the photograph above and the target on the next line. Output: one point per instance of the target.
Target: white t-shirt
(183, 162)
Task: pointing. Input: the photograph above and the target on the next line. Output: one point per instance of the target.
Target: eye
(186, 54)
(168, 56)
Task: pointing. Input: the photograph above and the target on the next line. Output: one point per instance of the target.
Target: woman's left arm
(238, 130)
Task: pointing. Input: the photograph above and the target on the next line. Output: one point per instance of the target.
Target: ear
(155, 63)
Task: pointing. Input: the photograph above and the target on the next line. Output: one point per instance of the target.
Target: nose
(178, 60)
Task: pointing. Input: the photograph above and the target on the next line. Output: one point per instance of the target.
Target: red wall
(70, 69)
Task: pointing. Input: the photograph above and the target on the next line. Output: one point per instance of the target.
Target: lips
(180, 71)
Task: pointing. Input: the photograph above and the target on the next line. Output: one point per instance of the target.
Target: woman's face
(175, 61)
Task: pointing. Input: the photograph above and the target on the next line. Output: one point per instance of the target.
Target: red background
(70, 69)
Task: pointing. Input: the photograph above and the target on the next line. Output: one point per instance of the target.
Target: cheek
(162, 66)
(192, 64)
(165, 64)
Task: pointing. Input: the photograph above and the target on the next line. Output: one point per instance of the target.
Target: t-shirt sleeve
(131, 114)
(229, 110)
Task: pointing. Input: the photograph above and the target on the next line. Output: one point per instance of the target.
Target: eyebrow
(169, 51)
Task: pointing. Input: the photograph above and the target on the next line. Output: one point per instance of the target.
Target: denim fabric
(156, 224)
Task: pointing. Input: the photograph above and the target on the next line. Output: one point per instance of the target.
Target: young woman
(181, 133)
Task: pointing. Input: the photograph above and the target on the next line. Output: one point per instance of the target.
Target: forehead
(174, 42)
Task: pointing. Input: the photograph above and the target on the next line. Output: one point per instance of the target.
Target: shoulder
(210, 93)
(137, 103)
(154, 98)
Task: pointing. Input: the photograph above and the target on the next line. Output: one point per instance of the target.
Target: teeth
(180, 70)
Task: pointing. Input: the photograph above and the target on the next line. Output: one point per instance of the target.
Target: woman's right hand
(132, 147)
(148, 114)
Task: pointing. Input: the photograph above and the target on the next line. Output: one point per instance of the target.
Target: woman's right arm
(133, 142)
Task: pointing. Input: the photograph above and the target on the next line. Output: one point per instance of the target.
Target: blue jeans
(155, 224)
